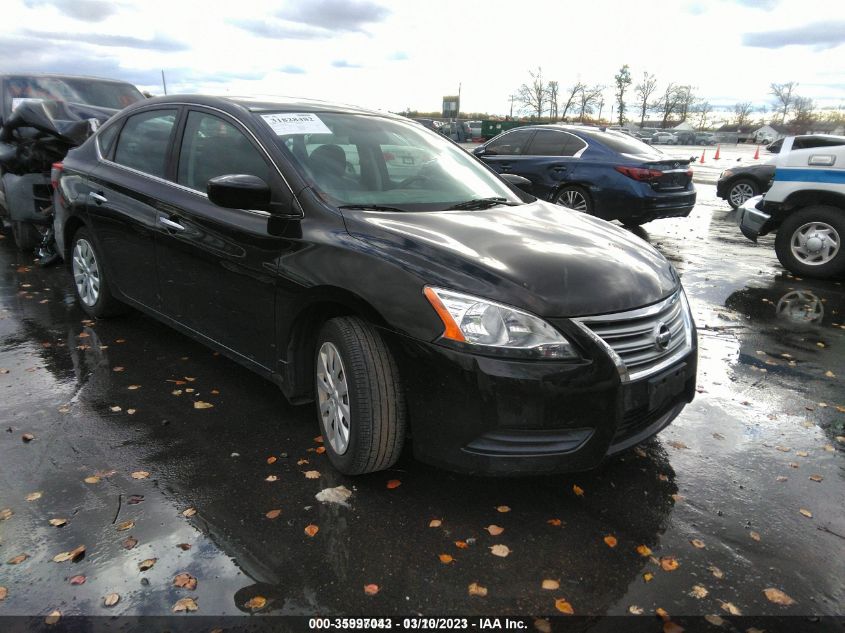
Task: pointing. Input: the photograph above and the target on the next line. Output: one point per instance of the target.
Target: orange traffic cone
(702, 156)
(716, 157)
(757, 153)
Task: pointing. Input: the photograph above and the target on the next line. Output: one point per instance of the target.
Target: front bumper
(753, 221)
(492, 416)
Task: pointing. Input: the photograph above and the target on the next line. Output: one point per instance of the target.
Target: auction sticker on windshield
(295, 123)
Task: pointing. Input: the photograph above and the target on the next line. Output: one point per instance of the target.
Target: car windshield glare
(371, 161)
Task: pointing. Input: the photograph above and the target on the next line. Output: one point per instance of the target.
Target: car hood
(537, 256)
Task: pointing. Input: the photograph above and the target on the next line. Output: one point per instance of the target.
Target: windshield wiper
(481, 203)
(370, 207)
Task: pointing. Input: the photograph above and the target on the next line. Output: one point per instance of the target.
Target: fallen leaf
(133, 387)
(678, 498)
(176, 392)
(678, 445)
(793, 465)
(189, 512)
(500, 550)
(806, 513)
(92, 480)
(340, 495)
(320, 450)
(273, 514)
(271, 460)
(126, 525)
(115, 409)
(58, 522)
(131, 411)
(34, 496)
(54, 616)
(199, 404)
(754, 535)
(129, 543)
(698, 592)
(731, 608)
(185, 604)
(190, 378)
(564, 607)
(648, 576)
(829, 374)
(393, 483)
(781, 478)
(550, 584)
(829, 448)
(319, 439)
(311, 529)
(120, 340)
(816, 478)
(434, 523)
(778, 597)
(184, 546)
(190, 390)
(144, 565)
(503, 509)
(312, 474)
(668, 563)
(445, 559)
(184, 580)
(718, 573)
(461, 544)
(494, 530)
(474, 589)
(579, 492)
(27, 437)
(140, 474)
(802, 453)
(662, 614)
(3, 593)
(555, 522)
(77, 580)
(255, 603)
(5, 513)
(17, 560)
(271, 478)
(371, 589)
(301, 462)
(663, 477)
(635, 610)
(610, 540)
(111, 599)
(783, 449)
(697, 543)
(118, 369)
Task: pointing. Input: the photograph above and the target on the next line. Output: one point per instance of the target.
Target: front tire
(809, 242)
(575, 198)
(89, 280)
(741, 190)
(360, 401)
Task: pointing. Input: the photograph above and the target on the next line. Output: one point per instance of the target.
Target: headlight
(497, 328)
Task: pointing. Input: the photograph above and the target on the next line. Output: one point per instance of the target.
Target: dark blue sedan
(605, 173)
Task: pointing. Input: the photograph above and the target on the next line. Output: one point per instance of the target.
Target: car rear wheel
(574, 198)
(89, 279)
(742, 190)
(360, 401)
(809, 242)
(26, 235)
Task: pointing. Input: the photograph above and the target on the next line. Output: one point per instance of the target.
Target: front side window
(144, 141)
(510, 144)
(213, 147)
(365, 160)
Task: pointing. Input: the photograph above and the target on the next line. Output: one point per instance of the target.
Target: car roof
(63, 76)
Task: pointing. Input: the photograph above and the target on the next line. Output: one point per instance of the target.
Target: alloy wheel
(572, 199)
(741, 192)
(815, 243)
(333, 397)
(86, 272)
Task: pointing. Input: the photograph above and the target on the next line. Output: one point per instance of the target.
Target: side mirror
(479, 151)
(518, 181)
(239, 191)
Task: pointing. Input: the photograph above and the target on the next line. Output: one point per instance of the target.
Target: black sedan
(738, 184)
(427, 297)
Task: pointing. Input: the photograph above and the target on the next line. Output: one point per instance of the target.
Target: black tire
(26, 236)
(105, 305)
(742, 182)
(375, 397)
(834, 218)
(565, 192)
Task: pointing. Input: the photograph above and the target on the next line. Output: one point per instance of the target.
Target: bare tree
(532, 96)
(742, 114)
(574, 91)
(644, 91)
(784, 95)
(668, 103)
(686, 99)
(587, 98)
(552, 90)
(804, 113)
(623, 81)
(702, 111)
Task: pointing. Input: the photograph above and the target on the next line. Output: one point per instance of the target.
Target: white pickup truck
(805, 205)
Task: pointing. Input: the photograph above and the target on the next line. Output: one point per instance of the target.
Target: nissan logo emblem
(662, 336)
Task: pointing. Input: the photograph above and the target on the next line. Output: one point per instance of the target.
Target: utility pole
(163, 82)
(512, 98)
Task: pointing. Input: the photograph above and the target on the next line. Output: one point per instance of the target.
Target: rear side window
(510, 144)
(621, 143)
(811, 142)
(547, 143)
(212, 147)
(144, 141)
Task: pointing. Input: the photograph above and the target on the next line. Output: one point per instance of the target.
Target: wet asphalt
(717, 498)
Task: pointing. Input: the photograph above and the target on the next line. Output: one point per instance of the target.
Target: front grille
(633, 335)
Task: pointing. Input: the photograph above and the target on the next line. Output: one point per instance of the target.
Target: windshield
(362, 160)
(105, 94)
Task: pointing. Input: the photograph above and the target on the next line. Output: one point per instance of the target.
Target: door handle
(170, 224)
(559, 168)
(98, 198)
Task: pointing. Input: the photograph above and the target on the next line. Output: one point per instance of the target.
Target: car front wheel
(360, 401)
(809, 242)
(740, 191)
(89, 279)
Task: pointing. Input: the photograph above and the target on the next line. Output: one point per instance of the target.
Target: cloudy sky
(394, 54)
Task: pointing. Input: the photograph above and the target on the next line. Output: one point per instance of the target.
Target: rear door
(553, 161)
(127, 187)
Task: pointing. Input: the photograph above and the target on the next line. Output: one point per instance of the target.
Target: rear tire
(741, 190)
(359, 396)
(575, 198)
(25, 234)
(809, 242)
(89, 279)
